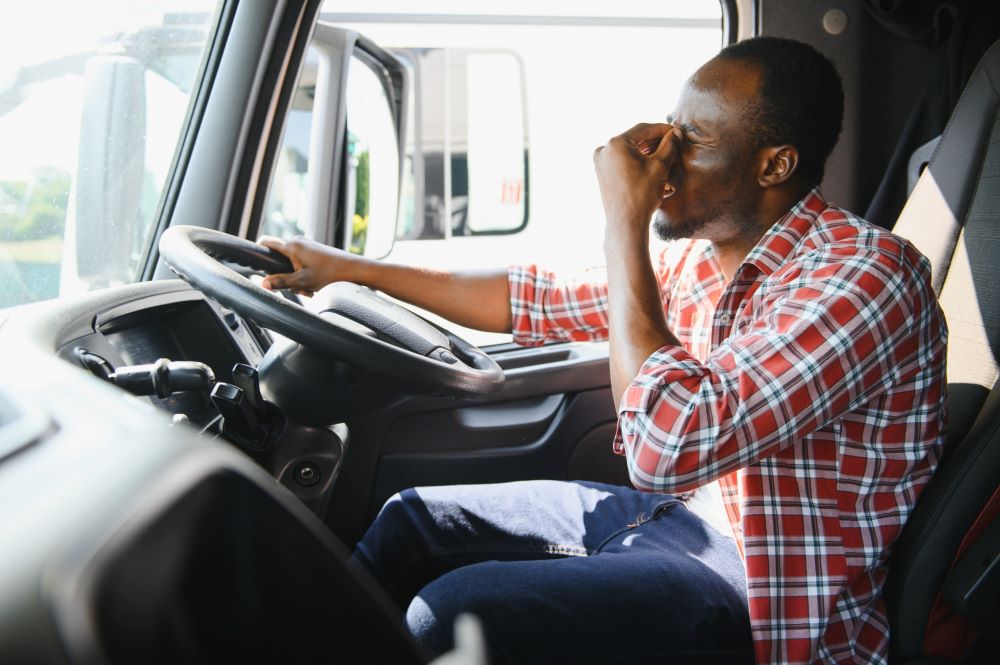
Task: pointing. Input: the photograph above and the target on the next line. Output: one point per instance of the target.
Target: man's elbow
(655, 483)
(664, 473)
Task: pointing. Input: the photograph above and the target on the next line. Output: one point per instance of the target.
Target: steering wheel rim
(195, 254)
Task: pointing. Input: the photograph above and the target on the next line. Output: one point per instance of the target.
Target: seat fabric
(953, 217)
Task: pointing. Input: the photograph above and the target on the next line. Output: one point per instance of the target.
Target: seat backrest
(953, 217)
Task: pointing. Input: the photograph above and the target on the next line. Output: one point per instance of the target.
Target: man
(784, 352)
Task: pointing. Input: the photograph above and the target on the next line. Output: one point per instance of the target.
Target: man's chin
(667, 229)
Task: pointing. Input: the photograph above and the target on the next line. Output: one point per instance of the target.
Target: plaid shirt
(812, 387)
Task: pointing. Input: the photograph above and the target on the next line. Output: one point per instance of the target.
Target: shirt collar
(782, 239)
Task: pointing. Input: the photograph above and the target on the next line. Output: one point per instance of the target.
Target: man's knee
(428, 627)
(431, 615)
(386, 539)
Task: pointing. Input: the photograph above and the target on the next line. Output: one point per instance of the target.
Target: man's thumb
(274, 282)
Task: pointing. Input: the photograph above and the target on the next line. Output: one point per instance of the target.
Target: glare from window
(591, 69)
(93, 98)
(687, 9)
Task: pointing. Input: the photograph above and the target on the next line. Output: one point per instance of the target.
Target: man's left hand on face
(632, 170)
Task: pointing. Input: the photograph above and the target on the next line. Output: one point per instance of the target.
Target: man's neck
(731, 254)
(774, 204)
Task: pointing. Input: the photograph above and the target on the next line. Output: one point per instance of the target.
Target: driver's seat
(944, 575)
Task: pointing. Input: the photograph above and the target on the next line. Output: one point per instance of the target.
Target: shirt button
(725, 318)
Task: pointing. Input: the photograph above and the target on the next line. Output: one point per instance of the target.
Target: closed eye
(684, 127)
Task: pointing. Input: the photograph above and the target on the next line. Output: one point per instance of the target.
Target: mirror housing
(110, 171)
(332, 176)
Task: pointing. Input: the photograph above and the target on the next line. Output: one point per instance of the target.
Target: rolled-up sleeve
(823, 342)
(544, 307)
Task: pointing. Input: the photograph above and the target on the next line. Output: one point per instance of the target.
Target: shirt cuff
(522, 282)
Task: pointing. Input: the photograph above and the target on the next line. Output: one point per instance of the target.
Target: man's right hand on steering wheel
(315, 265)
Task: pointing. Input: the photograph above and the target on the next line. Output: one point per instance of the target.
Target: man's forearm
(637, 325)
(477, 299)
(632, 172)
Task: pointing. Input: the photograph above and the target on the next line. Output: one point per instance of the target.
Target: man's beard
(667, 231)
(735, 213)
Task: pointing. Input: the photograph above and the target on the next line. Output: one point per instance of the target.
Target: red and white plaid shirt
(812, 387)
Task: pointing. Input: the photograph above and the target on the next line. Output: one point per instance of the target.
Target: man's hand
(632, 171)
(315, 265)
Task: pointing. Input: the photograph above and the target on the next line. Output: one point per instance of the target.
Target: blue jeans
(563, 572)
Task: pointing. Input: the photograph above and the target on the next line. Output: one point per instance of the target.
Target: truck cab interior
(187, 459)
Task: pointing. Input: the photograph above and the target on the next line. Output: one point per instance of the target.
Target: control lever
(238, 418)
(246, 415)
(164, 377)
(247, 379)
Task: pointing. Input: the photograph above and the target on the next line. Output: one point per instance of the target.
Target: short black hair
(800, 101)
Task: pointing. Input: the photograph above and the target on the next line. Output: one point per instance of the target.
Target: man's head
(759, 121)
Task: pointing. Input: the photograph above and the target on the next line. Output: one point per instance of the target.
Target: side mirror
(419, 143)
(111, 166)
(373, 161)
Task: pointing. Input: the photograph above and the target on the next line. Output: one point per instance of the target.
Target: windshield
(94, 97)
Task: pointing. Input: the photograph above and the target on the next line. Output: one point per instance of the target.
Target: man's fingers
(271, 242)
(647, 132)
(667, 149)
(287, 249)
(281, 281)
(271, 282)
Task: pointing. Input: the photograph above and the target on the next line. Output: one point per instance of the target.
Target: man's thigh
(423, 533)
(670, 590)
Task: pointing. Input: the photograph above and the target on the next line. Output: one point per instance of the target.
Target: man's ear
(776, 165)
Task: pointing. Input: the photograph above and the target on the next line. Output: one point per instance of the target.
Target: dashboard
(178, 326)
(140, 324)
(131, 539)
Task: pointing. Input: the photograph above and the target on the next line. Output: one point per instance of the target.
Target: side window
(285, 208)
(91, 114)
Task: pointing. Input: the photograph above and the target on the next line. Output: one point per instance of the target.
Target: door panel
(553, 419)
(494, 425)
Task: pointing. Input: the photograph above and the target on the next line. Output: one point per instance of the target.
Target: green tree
(362, 180)
(35, 209)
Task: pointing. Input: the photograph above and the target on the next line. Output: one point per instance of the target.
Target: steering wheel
(353, 324)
